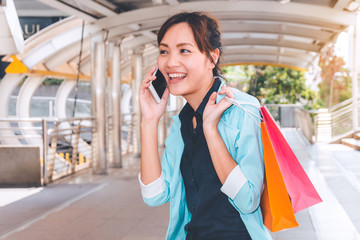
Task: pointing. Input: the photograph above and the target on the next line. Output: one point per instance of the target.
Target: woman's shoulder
(235, 115)
(245, 97)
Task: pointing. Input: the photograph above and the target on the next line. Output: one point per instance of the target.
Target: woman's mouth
(177, 76)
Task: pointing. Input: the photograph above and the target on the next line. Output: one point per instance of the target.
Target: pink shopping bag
(301, 191)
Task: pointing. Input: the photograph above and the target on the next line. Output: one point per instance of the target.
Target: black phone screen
(159, 83)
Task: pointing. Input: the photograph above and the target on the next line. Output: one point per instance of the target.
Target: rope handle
(240, 103)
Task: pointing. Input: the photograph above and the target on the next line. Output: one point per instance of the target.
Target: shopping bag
(275, 202)
(301, 191)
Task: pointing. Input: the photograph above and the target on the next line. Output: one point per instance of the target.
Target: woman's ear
(215, 56)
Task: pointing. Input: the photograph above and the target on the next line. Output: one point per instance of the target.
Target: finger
(145, 85)
(222, 90)
(151, 72)
(223, 105)
(227, 91)
(148, 78)
(212, 98)
(165, 96)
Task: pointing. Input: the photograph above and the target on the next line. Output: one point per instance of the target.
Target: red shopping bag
(275, 202)
(301, 191)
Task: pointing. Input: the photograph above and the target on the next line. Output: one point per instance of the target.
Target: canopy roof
(286, 33)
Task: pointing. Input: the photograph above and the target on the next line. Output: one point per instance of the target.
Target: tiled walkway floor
(109, 207)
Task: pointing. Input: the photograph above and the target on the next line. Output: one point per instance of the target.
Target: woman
(212, 167)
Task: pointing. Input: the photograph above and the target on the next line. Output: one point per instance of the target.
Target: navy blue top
(213, 216)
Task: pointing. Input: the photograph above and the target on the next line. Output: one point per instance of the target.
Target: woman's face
(187, 70)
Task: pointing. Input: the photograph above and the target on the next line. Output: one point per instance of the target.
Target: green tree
(52, 81)
(275, 85)
(335, 85)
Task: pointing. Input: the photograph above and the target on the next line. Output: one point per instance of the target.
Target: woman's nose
(173, 60)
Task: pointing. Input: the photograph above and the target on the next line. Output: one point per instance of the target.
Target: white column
(115, 103)
(98, 79)
(355, 93)
(137, 79)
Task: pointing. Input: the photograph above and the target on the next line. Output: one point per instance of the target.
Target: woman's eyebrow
(183, 44)
(177, 45)
(164, 45)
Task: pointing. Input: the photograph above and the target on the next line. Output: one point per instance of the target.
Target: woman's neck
(196, 98)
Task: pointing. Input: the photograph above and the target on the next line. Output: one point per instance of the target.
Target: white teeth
(177, 75)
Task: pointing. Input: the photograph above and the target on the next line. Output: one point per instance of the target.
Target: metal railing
(296, 117)
(304, 123)
(64, 143)
(336, 122)
(68, 145)
(70, 149)
(323, 125)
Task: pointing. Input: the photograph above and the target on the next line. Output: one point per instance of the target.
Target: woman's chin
(175, 90)
(175, 93)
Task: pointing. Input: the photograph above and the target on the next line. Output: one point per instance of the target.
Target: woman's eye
(163, 52)
(184, 51)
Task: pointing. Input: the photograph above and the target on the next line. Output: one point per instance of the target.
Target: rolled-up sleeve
(157, 192)
(244, 185)
(152, 189)
(234, 183)
(251, 162)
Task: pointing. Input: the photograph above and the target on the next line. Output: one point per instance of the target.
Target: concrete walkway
(110, 207)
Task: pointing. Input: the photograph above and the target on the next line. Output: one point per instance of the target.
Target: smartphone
(158, 86)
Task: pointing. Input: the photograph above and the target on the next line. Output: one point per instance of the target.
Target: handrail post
(53, 151)
(75, 148)
(44, 153)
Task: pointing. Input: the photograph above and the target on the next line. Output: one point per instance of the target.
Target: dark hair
(206, 33)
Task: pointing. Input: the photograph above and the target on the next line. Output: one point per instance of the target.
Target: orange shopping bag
(301, 191)
(275, 203)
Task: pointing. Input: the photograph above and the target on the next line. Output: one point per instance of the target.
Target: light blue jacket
(242, 137)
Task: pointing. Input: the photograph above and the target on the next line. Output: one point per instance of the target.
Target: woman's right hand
(151, 110)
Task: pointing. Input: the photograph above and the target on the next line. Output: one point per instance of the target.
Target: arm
(240, 170)
(151, 113)
(249, 155)
(221, 158)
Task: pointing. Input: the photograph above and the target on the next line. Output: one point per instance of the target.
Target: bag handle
(251, 114)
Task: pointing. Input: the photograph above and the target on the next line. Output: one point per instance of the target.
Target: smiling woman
(212, 167)
(187, 67)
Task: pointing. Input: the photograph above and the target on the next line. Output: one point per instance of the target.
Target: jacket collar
(223, 83)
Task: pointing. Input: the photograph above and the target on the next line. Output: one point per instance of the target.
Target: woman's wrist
(149, 122)
(210, 130)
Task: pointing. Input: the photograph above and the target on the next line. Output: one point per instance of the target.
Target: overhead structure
(11, 38)
(278, 32)
(288, 33)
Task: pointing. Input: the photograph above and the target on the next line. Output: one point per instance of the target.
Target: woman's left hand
(213, 111)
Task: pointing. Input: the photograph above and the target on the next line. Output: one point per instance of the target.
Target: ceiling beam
(278, 28)
(303, 59)
(304, 56)
(150, 35)
(261, 63)
(136, 42)
(253, 60)
(41, 13)
(269, 10)
(68, 9)
(341, 4)
(271, 42)
(172, 2)
(97, 7)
